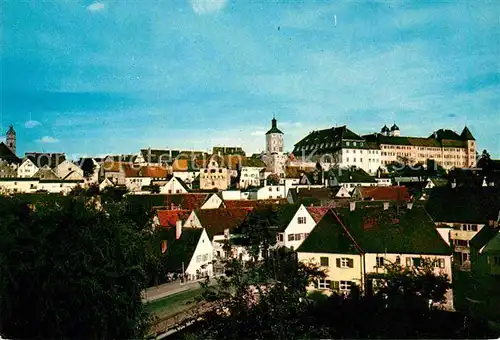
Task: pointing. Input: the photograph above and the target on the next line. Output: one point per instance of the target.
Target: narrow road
(166, 289)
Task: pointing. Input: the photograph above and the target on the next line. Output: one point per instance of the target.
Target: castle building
(274, 157)
(446, 147)
(338, 146)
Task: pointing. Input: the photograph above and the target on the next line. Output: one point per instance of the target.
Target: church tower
(11, 139)
(274, 139)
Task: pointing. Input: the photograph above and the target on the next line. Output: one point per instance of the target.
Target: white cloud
(48, 140)
(31, 124)
(207, 6)
(96, 7)
(258, 133)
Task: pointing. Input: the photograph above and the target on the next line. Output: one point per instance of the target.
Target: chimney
(178, 229)
(352, 206)
(386, 205)
(409, 205)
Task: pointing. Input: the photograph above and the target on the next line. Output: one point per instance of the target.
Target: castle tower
(274, 139)
(385, 131)
(395, 131)
(11, 139)
(467, 136)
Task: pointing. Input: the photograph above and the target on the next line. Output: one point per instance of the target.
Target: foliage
(414, 285)
(113, 194)
(273, 179)
(91, 191)
(155, 189)
(88, 166)
(70, 270)
(252, 301)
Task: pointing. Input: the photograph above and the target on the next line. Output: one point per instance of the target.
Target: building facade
(274, 156)
(338, 147)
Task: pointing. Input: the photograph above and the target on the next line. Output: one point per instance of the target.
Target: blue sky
(92, 78)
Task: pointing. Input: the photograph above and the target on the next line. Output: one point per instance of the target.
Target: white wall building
(267, 192)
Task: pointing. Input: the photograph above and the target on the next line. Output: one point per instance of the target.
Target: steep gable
(7, 155)
(181, 251)
(329, 237)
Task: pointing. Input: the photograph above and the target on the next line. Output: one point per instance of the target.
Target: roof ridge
(347, 231)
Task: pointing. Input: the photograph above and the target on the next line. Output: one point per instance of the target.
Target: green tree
(70, 270)
(273, 179)
(155, 189)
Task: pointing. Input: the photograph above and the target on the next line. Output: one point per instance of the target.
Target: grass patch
(174, 303)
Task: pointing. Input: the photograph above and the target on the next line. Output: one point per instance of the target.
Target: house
(106, 183)
(294, 223)
(136, 178)
(214, 201)
(307, 196)
(34, 161)
(58, 185)
(252, 203)
(188, 252)
(8, 162)
(464, 212)
(19, 185)
(220, 224)
(46, 173)
(485, 250)
(184, 169)
(68, 170)
(349, 178)
(267, 192)
(340, 192)
(214, 175)
(250, 177)
(175, 186)
(351, 244)
(381, 194)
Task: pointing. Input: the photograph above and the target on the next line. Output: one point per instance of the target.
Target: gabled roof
(484, 236)
(7, 155)
(378, 193)
(466, 134)
(190, 201)
(314, 193)
(46, 173)
(445, 134)
(228, 150)
(215, 221)
(329, 140)
(411, 231)
(373, 230)
(352, 175)
(277, 217)
(181, 251)
(168, 218)
(183, 184)
(42, 159)
(464, 205)
(296, 171)
(317, 213)
(329, 237)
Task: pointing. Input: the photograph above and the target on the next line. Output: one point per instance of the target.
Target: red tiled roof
(168, 218)
(190, 201)
(215, 221)
(251, 203)
(317, 213)
(154, 171)
(385, 193)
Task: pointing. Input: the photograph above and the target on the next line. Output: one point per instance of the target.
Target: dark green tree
(273, 179)
(69, 269)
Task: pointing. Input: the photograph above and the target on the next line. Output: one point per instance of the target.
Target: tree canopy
(72, 269)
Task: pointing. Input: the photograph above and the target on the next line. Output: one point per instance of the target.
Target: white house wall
(202, 257)
(66, 167)
(298, 229)
(192, 221)
(27, 169)
(22, 186)
(213, 202)
(173, 187)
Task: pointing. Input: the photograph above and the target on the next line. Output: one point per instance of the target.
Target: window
(439, 263)
(345, 285)
(324, 261)
(469, 227)
(398, 260)
(291, 237)
(205, 257)
(324, 284)
(496, 260)
(301, 220)
(344, 262)
(270, 189)
(380, 261)
(413, 261)
(461, 243)
(280, 238)
(277, 188)
(198, 259)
